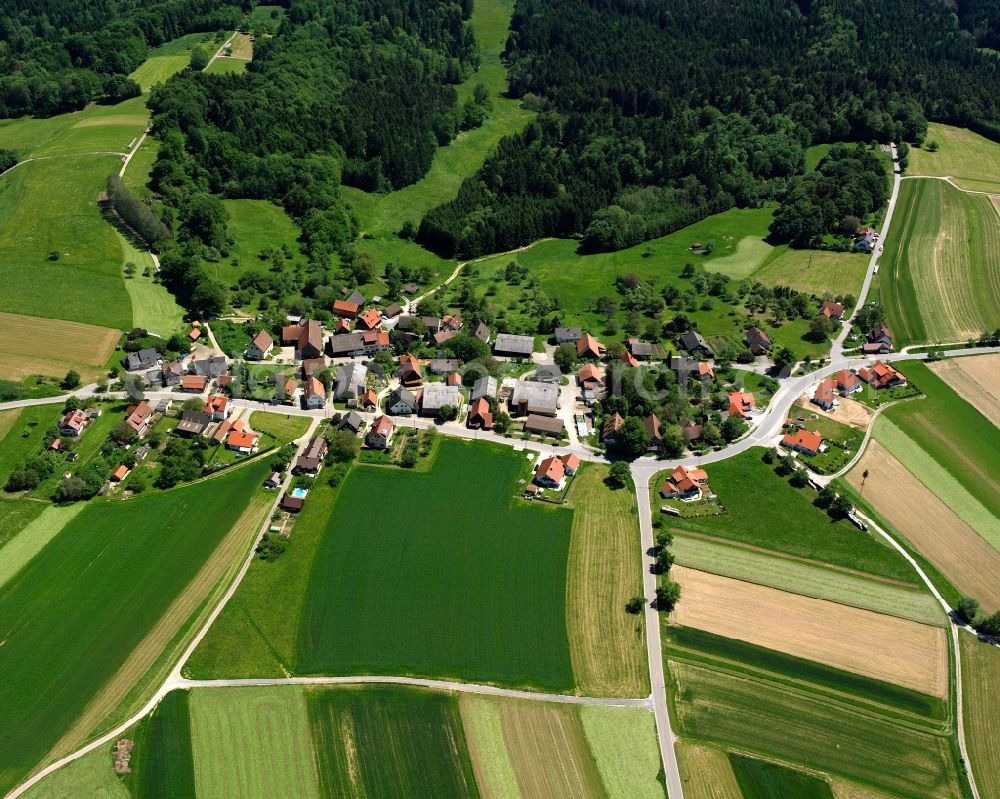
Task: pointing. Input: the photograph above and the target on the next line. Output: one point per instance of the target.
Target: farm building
(567, 335)
(306, 337)
(345, 309)
(409, 373)
(143, 359)
(544, 425)
(195, 384)
(609, 431)
(534, 398)
(694, 343)
(485, 386)
(833, 311)
(350, 381)
(589, 347)
(591, 380)
(645, 350)
(212, 366)
(511, 346)
(629, 360)
(435, 396)
(547, 373)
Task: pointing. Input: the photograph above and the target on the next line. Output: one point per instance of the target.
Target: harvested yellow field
(606, 644)
(954, 548)
(980, 677)
(884, 647)
(706, 772)
(848, 411)
(844, 789)
(976, 380)
(30, 345)
(549, 752)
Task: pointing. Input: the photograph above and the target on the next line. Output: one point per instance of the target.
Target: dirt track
(930, 525)
(884, 647)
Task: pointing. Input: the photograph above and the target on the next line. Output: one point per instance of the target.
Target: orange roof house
(684, 483)
(847, 381)
(370, 319)
(409, 370)
(454, 379)
(138, 417)
(804, 441)
(120, 473)
(346, 309)
(369, 399)
(314, 393)
(824, 395)
(705, 369)
(480, 415)
(195, 383)
(832, 310)
(551, 472)
(195, 334)
(242, 441)
(589, 347)
(741, 403)
(629, 360)
(882, 375)
(571, 462)
(590, 376)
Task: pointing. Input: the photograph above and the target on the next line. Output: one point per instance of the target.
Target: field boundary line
(948, 179)
(419, 682)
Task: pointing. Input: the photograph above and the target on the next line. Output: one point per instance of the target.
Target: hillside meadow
(971, 160)
(66, 631)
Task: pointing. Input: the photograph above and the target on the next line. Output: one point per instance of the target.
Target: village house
(543, 425)
(392, 310)
(848, 382)
(864, 239)
(879, 340)
(211, 367)
(73, 422)
(346, 309)
(589, 347)
(292, 504)
(356, 297)
(833, 311)
(550, 473)
(547, 373)
(691, 430)
(742, 404)
(352, 421)
(120, 473)
(485, 386)
(195, 384)
(341, 326)
(652, 425)
(172, 373)
(441, 337)
(223, 429)
(139, 417)
(591, 381)
(453, 322)
(193, 423)
(435, 396)
(805, 441)
(311, 461)
(243, 441)
(287, 390)
(313, 394)
(143, 359)
(306, 337)
(567, 335)
(684, 483)
(882, 375)
(402, 402)
(534, 398)
(609, 431)
(218, 407)
(629, 360)
(350, 381)
(273, 480)
(694, 343)
(454, 379)
(380, 434)
(511, 346)
(442, 366)
(757, 341)
(482, 332)
(480, 415)
(370, 319)
(645, 350)
(410, 374)
(194, 334)
(260, 347)
(825, 394)
(368, 401)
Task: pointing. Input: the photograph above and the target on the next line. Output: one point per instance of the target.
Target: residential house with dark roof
(392, 310)
(757, 341)
(547, 373)
(212, 366)
(485, 386)
(652, 425)
(306, 337)
(352, 421)
(512, 346)
(260, 347)
(193, 423)
(143, 359)
(356, 297)
(609, 431)
(172, 373)
(380, 434)
(694, 343)
(442, 366)
(292, 504)
(350, 381)
(879, 339)
(645, 350)
(482, 332)
(833, 311)
(544, 425)
(402, 402)
(690, 430)
(311, 460)
(567, 335)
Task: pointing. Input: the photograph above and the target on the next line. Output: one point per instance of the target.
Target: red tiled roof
(241, 440)
(589, 344)
(382, 426)
(628, 359)
(590, 374)
(370, 318)
(570, 461)
(803, 439)
(120, 473)
(552, 468)
(824, 391)
(480, 409)
(345, 308)
(194, 381)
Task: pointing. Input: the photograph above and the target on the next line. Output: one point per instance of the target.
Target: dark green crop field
(760, 780)
(764, 510)
(72, 616)
(391, 743)
(440, 574)
(162, 761)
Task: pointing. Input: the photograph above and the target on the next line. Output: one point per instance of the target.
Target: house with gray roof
(443, 366)
(482, 332)
(547, 373)
(694, 342)
(531, 397)
(567, 335)
(402, 402)
(435, 396)
(349, 383)
(357, 297)
(485, 386)
(512, 346)
(213, 366)
(143, 359)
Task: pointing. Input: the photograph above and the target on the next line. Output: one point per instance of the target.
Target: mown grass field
(814, 271)
(385, 214)
(24, 435)
(940, 275)
(980, 677)
(158, 69)
(225, 65)
(605, 570)
(706, 772)
(68, 630)
(807, 579)
(880, 647)
(153, 307)
(976, 379)
(791, 723)
(971, 160)
(136, 175)
(102, 128)
(623, 742)
(462, 583)
(283, 427)
(252, 742)
(15, 515)
(778, 517)
(390, 742)
(92, 776)
(759, 779)
(85, 284)
(163, 761)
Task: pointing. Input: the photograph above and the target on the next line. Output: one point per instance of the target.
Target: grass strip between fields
(980, 677)
(487, 750)
(17, 553)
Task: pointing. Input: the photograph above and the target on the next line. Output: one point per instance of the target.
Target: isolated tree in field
(635, 605)
(667, 596)
(619, 475)
(71, 381)
(968, 609)
(783, 358)
(840, 507)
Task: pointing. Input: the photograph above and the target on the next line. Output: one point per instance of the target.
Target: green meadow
(777, 517)
(940, 275)
(971, 160)
(761, 780)
(80, 607)
(460, 579)
(163, 761)
(154, 308)
(24, 435)
(224, 65)
(15, 515)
